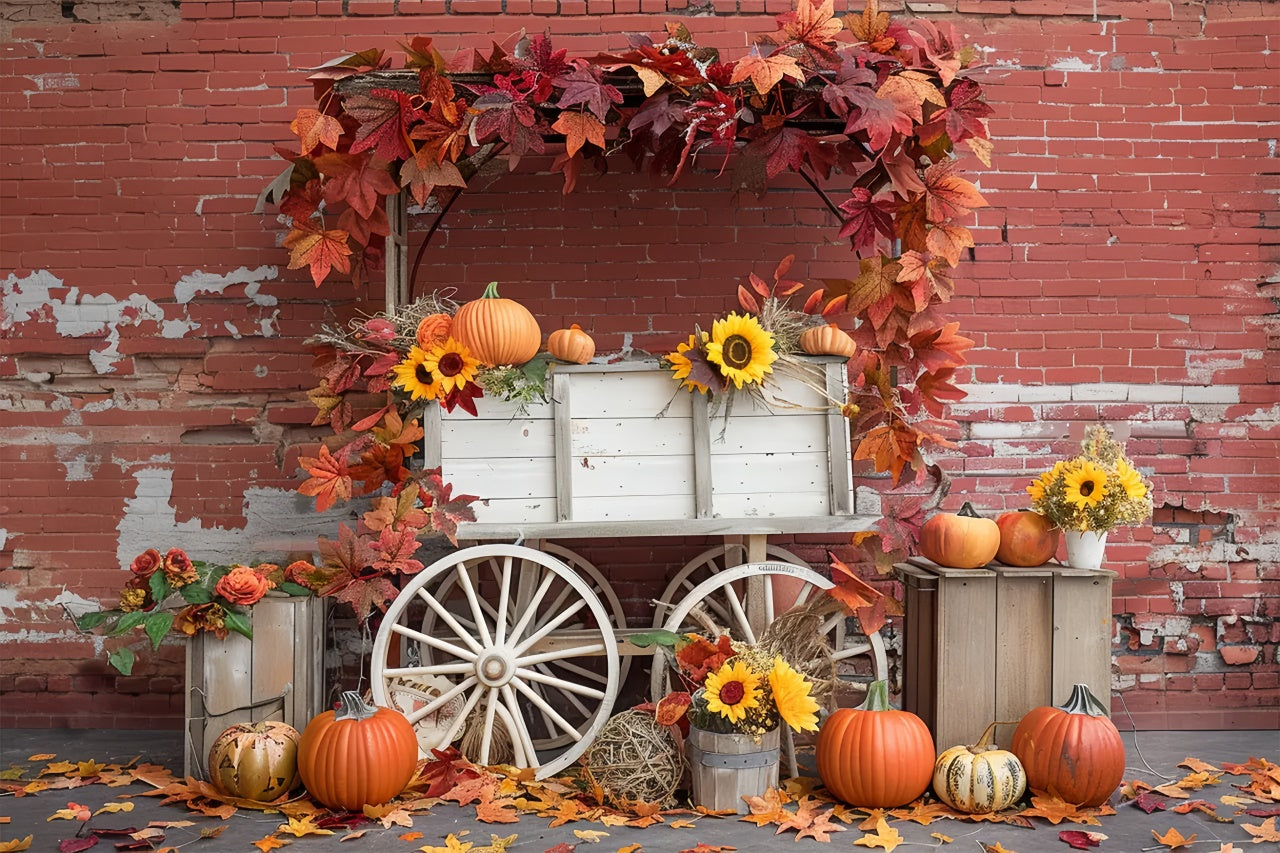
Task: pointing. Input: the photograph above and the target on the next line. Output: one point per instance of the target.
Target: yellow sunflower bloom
(742, 349)
(732, 691)
(1036, 489)
(1086, 485)
(681, 365)
(413, 376)
(451, 365)
(791, 695)
(1130, 480)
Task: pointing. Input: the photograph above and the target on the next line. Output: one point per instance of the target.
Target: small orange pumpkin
(828, 340)
(1073, 751)
(961, 540)
(497, 330)
(433, 329)
(571, 344)
(875, 757)
(359, 755)
(1026, 538)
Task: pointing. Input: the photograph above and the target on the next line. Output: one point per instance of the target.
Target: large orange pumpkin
(875, 757)
(961, 540)
(1073, 751)
(1026, 538)
(497, 330)
(358, 755)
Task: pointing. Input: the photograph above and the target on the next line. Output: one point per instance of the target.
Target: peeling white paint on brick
(4, 537)
(1177, 593)
(206, 282)
(1099, 392)
(1072, 63)
(82, 467)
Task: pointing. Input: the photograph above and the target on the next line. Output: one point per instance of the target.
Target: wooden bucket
(727, 767)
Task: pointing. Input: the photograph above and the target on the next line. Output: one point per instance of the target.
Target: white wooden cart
(522, 641)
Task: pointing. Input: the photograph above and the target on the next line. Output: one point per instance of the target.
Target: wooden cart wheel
(722, 601)
(589, 670)
(516, 624)
(705, 565)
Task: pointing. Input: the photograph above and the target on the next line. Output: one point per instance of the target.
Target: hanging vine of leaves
(887, 105)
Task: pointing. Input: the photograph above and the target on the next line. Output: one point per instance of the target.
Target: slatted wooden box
(991, 644)
(622, 442)
(278, 675)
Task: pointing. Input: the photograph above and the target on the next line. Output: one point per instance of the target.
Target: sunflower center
(450, 364)
(421, 374)
(737, 352)
(732, 692)
(1086, 488)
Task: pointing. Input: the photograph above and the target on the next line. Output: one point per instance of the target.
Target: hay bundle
(634, 759)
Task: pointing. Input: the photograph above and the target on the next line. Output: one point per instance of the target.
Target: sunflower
(791, 695)
(412, 375)
(1086, 485)
(732, 691)
(1038, 485)
(451, 364)
(1130, 480)
(681, 365)
(742, 349)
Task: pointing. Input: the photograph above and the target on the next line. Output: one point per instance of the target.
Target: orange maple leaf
(908, 91)
(1055, 810)
(871, 27)
(885, 837)
(850, 590)
(330, 479)
(766, 71)
(320, 250)
(579, 128)
(315, 128)
(1197, 766)
(767, 809)
(949, 241)
(269, 843)
(811, 23)
(947, 195)
(1265, 831)
(1173, 839)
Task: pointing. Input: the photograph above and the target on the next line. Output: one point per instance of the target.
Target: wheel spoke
(547, 711)
(460, 653)
(851, 651)
(431, 669)
(504, 596)
(582, 671)
(486, 739)
(448, 618)
(560, 683)
(455, 728)
(541, 674)
(531, 608)
(744, 624)
(469, 590)
(440, 701)
(560, 654)
(519, 731)
(551, 625)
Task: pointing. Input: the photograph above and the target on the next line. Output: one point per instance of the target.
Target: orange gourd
(962, 540)
(497, 330)
(1026, 538)
(255, 761)
(358, 755)
(1073, 752)
(433, 329)
(828, 340)
(571, 344)
(877, 757)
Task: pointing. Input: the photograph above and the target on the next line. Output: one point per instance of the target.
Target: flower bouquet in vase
(1087, 495)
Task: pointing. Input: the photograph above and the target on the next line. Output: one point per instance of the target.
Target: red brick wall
(151, 353)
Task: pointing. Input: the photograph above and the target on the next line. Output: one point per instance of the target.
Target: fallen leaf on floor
(1227, 799)
(497, 844)
(77, 844)
(767, 809)
(1056, 811)
(410, 836)
(1081, 840)
(298, 827)
(44, 756)
(1150, 802)
(1227, 847)
(270, 843)
(1172, 790)
(389, 815)
(1200, 806)
(16, 845)
(114, 808)
(452, 844)
(560, 848)
(58, 768)
(942, 839)
(630, 848)
(885, 837)
(683, 824)
(923, 814)
(352, 836)
(709, 848)
(995, 848)
(1265, 831)
(73, 811)
(872, 820)
(1198, 766)
(591, 836)
(1173, 839)
(86, 769)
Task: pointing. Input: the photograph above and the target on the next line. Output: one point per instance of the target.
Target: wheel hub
(495, 667)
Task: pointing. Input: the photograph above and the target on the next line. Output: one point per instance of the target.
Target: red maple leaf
(765, 72)
(298, 203)
(446, 509)
(791, 148)
(351, 553)
(586, 86)
(360, 180)
(851, 591)
(362, 229)
(444, 129)
(868, 218)
(423, 173)
(499, 114)
(697, 656)
(940, 348)
(330, 480)
(878, 117)
(810, 24)
(394, 549)
(385, 116)
(966, 112)
(937, 388)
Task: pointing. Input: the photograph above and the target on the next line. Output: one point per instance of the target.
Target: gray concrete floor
(1152, 757)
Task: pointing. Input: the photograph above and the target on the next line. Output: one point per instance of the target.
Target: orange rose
(145, 564)
(178, 568)
(434, 329)
(242, 585)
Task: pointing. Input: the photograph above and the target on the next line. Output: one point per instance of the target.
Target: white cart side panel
(634, 508)
(790, 431)
(503, 478)
(631, 436)
(629, 394)
(516, 511)
(519, 437)
(662, 476)
(770, 505)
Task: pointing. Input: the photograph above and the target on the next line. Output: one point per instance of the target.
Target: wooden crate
(278, 675)
(622, 442)
(991, 644)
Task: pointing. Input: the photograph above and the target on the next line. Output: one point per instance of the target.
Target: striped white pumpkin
(978, 779)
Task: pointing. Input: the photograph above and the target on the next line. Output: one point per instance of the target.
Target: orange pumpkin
(255, 761)
(962, 540)
(497, 330)
(358, 755)
(433, 329)
(1026, 538)
(828, 340)
(877, 757)
(571, 344)
(1073, 751)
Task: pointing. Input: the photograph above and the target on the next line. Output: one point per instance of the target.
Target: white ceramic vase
(1085, 548)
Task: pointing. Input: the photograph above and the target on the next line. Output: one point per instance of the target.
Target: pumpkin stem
(877, 697)
(352, 707)
(985, 741)
(968, 511)
(1082, 701)
(491, 292)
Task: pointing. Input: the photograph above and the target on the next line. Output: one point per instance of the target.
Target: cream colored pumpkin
(979, 779)
(828, 340)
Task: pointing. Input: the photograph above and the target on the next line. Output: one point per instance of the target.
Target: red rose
(145, 564)
(242, 585)
(178, 568)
